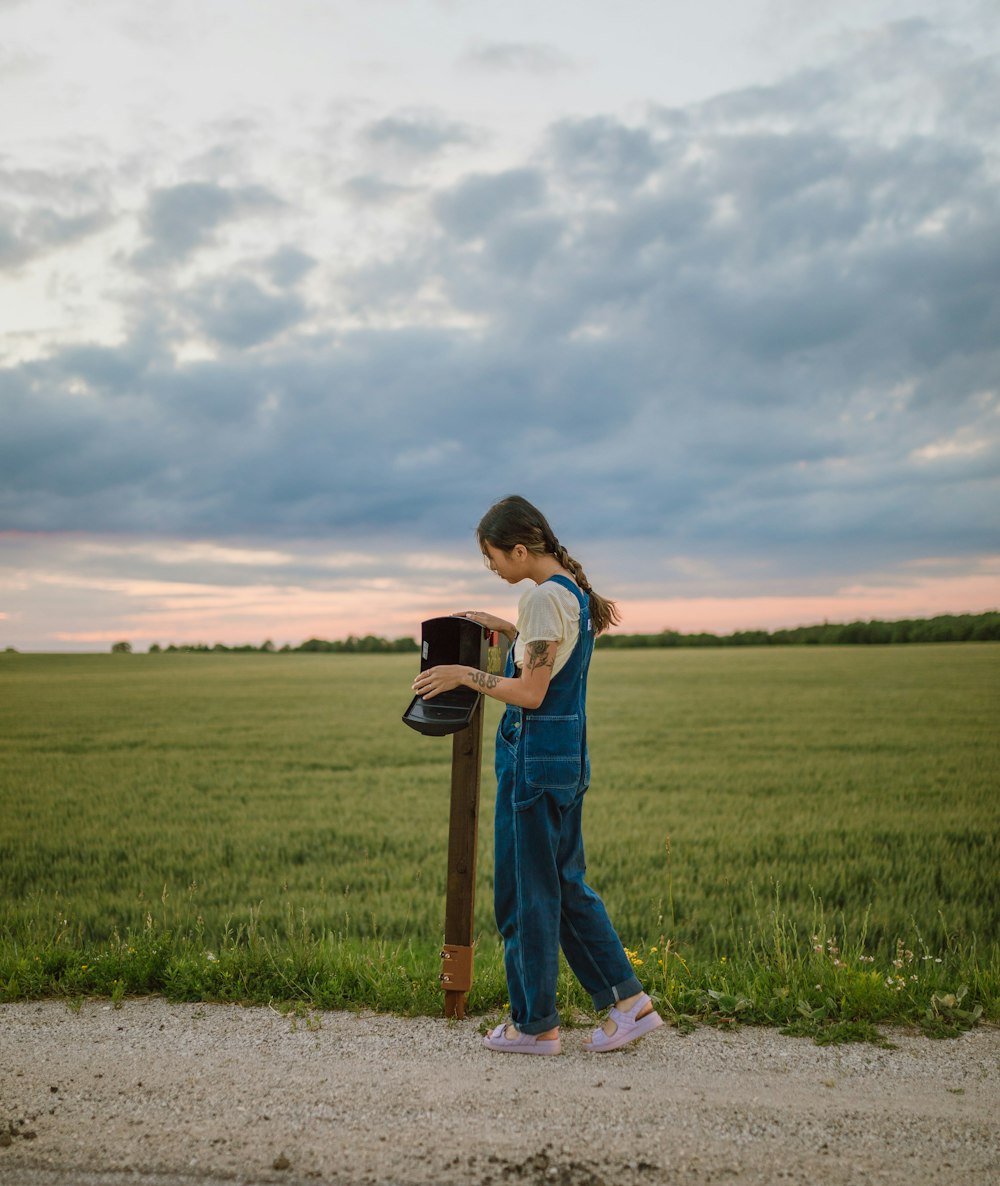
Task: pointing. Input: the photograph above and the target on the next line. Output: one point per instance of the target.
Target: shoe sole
(513, 1048)
(645, 1025)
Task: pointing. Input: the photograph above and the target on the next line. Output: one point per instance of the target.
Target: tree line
(945, 628)
(983, 627)
(370, 644)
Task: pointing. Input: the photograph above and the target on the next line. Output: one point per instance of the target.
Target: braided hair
(512, 521)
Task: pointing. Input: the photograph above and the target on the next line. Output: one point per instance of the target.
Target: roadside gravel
(153, 1094)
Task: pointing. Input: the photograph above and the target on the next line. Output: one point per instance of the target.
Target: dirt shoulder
(153, 1094)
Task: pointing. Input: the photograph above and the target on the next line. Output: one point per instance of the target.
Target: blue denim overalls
(540, 897)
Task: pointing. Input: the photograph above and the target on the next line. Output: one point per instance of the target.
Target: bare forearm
(525, 692)
(502, 688)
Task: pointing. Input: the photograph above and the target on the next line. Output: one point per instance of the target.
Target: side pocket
(553, 749)
(509, 729)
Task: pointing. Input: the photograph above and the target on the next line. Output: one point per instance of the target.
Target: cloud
(744, 332)
(179, 219)
(520, 56)
(418, 133)
(288, 265)
(476, 203)
(368, 189)
(237, 312)
(602, 151)
(16, 64)
(46, 210)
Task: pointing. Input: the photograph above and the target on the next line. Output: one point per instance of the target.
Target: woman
(541, 899)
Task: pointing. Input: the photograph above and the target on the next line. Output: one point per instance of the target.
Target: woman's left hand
(436, 680)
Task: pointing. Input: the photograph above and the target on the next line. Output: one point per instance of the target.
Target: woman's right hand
(489, 622)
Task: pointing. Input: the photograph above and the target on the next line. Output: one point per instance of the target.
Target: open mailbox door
(448, 640)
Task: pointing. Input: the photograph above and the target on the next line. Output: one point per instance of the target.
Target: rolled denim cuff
(616, 993)
(538, 1027)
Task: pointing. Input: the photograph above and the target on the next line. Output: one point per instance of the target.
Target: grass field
(804, 835)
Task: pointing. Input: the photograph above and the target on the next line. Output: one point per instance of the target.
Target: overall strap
(573, 587)
(579, 660)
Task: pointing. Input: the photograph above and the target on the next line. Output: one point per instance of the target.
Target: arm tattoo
(538, 654)
(483, 679)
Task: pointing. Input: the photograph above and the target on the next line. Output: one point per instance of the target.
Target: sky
(291, 292)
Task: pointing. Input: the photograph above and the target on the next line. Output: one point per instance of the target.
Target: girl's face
(509, 566)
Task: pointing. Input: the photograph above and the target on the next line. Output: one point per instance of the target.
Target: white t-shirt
(548, 612)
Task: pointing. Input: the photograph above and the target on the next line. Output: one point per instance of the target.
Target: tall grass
(773, 831)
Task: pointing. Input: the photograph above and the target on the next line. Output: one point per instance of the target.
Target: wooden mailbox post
(463, 834)
(441, 717)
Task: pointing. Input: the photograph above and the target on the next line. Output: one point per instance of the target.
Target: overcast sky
(291, 292)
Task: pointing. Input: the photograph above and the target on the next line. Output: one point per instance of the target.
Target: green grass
(263, 827)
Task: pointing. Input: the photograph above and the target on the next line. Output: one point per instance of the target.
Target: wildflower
(818, 947)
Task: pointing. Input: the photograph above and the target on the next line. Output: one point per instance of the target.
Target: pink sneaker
(629, 1028)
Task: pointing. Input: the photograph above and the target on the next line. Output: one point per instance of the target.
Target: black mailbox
(448, 640)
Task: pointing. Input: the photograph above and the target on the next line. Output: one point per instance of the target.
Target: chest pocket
(553, 752)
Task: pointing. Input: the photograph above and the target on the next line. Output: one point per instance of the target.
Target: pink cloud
(924, 598)
(210, 614)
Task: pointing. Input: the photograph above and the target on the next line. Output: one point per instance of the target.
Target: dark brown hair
(512, 521)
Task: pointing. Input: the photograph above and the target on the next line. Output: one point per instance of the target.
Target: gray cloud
(739, 331)
(181, 218)
(600, 150)
(288, 265)
(521, 56)
(420, 133)
(368, 189)
(237, 312)
(479, 202)
(43, 211)
(43, 231)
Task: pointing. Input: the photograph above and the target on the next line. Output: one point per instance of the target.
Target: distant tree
(154, 648)
(121, 648)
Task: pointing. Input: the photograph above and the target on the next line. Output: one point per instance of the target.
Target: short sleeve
(539, 618)
(549, 612)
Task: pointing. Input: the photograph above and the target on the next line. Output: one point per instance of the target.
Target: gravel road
(153, 1094)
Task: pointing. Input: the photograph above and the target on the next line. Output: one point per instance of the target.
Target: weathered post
(463, 834)
(457, 640)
